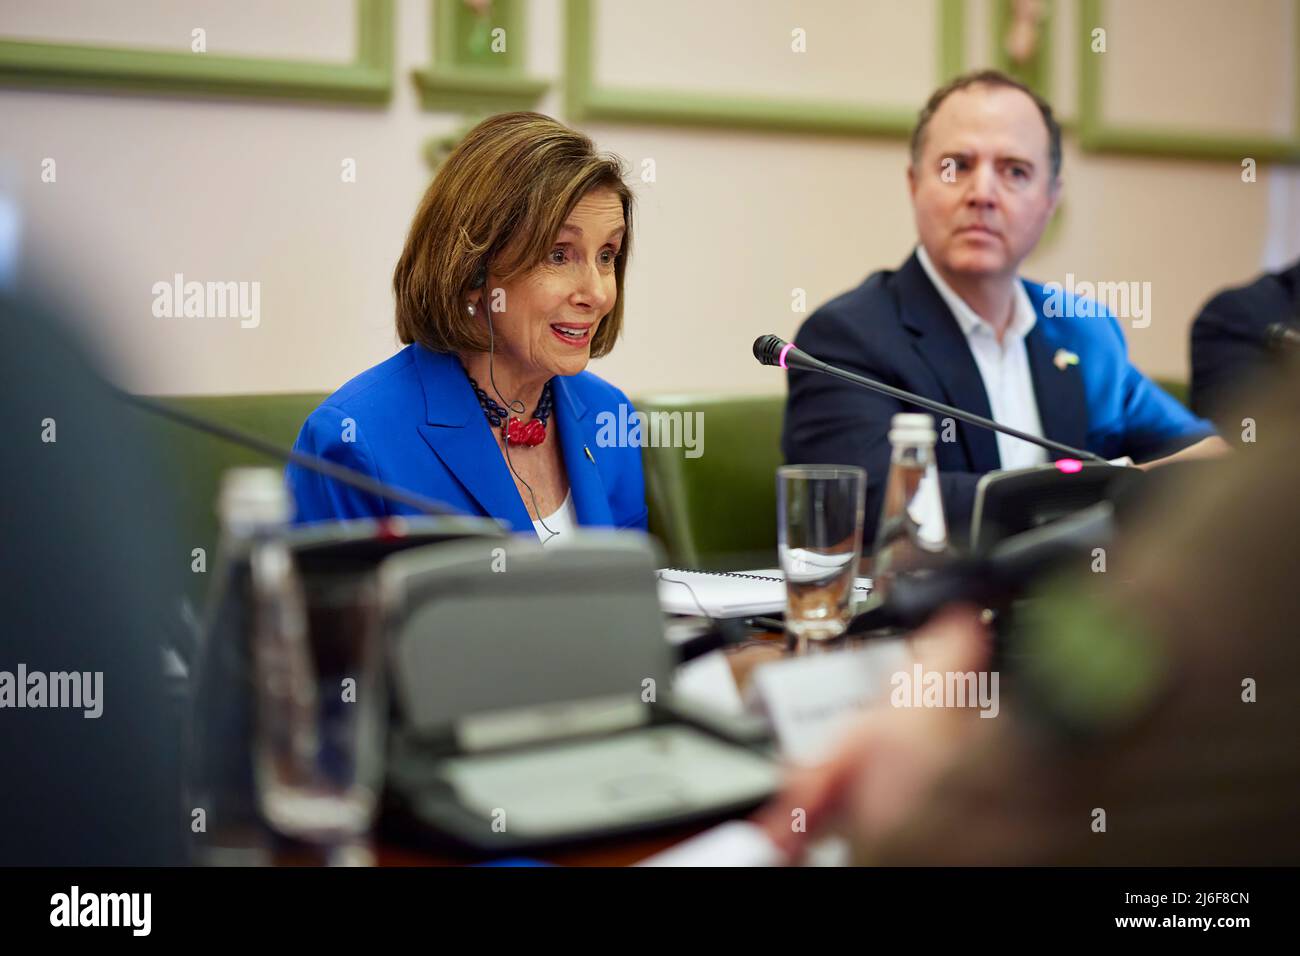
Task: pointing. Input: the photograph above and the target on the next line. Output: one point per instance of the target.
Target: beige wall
(251, 191)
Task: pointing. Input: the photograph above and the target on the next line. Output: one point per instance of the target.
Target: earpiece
(516, 406)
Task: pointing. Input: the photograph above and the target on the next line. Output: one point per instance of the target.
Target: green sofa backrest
(195, 461)
(1178, 390)
(717, 510)
(714, 511)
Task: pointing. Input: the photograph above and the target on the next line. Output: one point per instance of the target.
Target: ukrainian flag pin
(1064, 358)
(588, 451)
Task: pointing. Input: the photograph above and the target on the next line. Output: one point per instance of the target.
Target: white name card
(811, 700)
(735, 843)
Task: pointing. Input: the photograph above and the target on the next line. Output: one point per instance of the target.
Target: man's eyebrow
(966, 153)
(955, 154)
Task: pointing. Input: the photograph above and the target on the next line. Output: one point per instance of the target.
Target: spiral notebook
(729, 593)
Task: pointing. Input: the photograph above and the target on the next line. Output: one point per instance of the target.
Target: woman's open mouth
(572, 334)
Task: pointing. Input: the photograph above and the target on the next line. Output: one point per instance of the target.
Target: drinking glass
(819, 533)
(320, 706)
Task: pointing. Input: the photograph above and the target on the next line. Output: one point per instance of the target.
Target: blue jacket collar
(582, 456)
(448, 399)
(458, 433)
(1062, 401)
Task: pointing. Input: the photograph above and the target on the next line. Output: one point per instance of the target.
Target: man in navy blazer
(956, 324)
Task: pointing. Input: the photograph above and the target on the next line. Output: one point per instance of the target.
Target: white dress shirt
(562, 522)
(1003, 367)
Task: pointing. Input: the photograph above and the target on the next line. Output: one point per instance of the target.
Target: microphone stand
(330, 469)
(771, 350)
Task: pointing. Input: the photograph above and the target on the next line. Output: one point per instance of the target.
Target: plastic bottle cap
(254, 496)
(912, 428)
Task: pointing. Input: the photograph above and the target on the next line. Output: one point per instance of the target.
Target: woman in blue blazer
(510, 282)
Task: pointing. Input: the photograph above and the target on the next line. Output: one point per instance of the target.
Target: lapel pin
(1064, 358)
(588, 451)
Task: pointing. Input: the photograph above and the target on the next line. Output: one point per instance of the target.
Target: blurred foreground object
(1154, 723)
(1149, 703)
(90, 571)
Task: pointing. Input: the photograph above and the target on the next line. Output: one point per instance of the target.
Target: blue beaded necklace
(515, 431)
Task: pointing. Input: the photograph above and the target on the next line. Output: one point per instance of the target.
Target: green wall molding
(1037, 73)
(367, 79)
(585, 101)
(466, 75)
(1096, 134)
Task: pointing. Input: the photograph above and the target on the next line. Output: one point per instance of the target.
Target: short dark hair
(988, 78)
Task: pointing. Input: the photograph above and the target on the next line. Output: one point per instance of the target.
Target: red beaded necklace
(516, 431)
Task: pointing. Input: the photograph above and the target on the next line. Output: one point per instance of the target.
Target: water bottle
(912, 537)
(254, 714)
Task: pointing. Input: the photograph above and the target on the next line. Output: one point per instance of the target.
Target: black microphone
(330, 469)
(772, 350)
(1281, 337)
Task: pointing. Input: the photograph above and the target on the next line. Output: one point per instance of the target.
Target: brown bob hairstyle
(496, 205)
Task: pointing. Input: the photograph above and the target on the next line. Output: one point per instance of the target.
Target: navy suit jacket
(414, 421)
(1229, 356)
(896, 328)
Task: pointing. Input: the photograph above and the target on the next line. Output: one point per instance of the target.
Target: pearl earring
(470, 309)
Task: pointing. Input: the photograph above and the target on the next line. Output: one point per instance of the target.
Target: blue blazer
(416, 423)
(896, 328)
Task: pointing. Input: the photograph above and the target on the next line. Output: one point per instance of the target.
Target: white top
(1003, 367)
(561, 523)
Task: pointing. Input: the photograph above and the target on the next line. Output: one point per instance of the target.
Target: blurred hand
(890, 755)
(1211, 447)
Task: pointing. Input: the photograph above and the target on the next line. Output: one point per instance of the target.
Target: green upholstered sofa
(717, 510)
(195, 461)
(714, 511)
